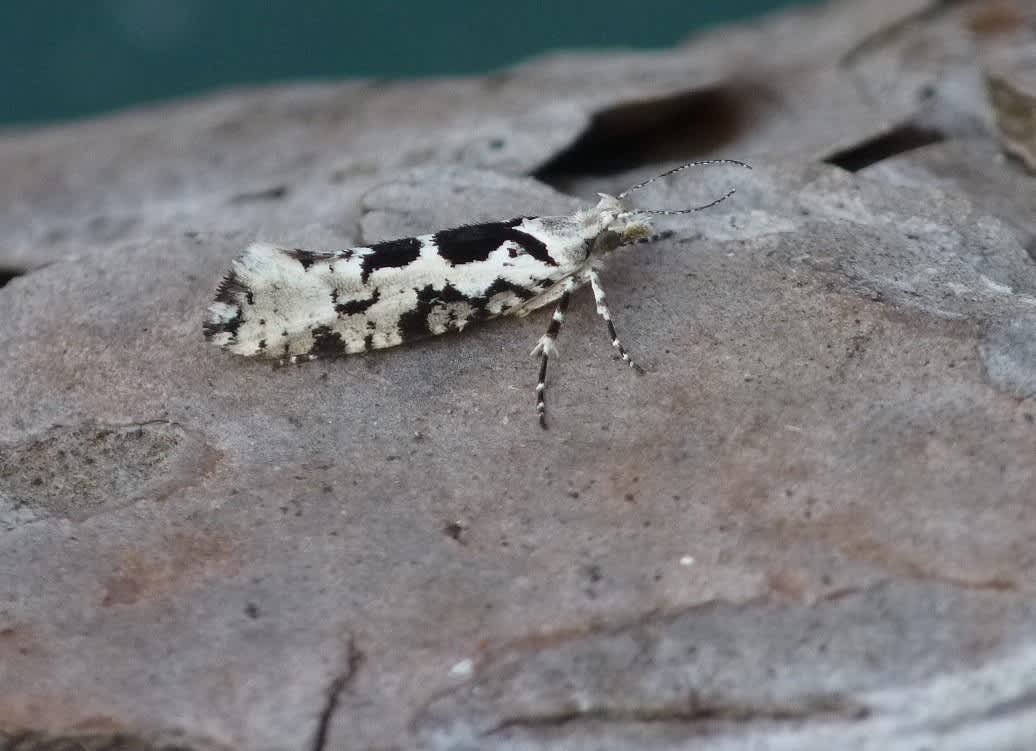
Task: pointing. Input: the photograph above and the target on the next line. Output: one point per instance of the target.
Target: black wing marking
(475, 242)
(394, 254)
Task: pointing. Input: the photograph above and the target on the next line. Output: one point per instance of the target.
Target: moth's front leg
(602, 310)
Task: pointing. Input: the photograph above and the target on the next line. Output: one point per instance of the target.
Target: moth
(294, 305)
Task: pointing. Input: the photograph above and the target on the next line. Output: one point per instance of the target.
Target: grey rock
(860, 669)
(974, 168)
(809, 525)
(1012, 90)
(1009, 354)
(79, 471)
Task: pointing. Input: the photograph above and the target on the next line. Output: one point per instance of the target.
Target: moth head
(621, 224)
(624, 224)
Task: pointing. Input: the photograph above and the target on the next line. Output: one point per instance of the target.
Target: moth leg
(602, 310)
(546, 347)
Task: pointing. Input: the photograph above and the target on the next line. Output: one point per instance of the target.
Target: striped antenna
(681, 168)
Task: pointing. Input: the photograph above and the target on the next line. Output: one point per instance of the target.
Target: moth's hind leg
(547, 347)
(602, 310)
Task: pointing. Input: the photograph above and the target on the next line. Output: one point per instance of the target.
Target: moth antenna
(681, 168)
(709, 205)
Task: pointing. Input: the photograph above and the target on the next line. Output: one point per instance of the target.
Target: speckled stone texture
(810, 525)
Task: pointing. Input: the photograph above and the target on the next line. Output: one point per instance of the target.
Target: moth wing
(287, 303)
(272, 295)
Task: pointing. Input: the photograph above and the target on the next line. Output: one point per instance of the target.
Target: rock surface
(810, 525)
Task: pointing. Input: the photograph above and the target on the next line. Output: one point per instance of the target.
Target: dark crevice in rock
(824, 708)
(354, 659)
(275, 193)
(907, 137)
(7, 274)
(680, 127)
(42, 741)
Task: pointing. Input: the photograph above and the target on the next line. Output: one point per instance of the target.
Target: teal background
(62, 59)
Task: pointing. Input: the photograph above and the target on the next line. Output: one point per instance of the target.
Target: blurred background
(69, 58)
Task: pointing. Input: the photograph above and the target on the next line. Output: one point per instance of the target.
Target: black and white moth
(295, 305)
